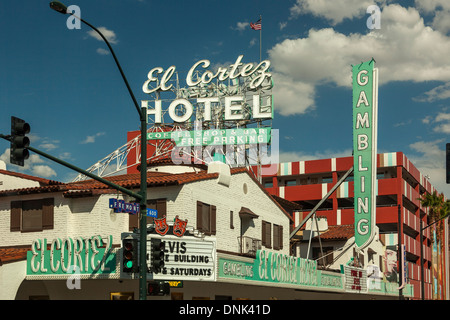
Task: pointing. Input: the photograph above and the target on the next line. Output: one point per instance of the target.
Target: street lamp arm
(142, 196)
(434, 223)
(117, 63)
(62, 8)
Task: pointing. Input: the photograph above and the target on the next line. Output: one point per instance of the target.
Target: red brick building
(400, 184)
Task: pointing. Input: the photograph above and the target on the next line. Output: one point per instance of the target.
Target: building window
(327, 179)
(277, 237)
(266, 236)
(159, 205)
(32, 215)
(206, 218)
(327, 256)
(231, 220)
(268, 184)
(290, 183)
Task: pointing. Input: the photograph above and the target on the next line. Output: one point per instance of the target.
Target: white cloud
(442, 121)
(401, 49)
(33, 165)
(292, 97)
(439, 123)
(441, 21)
(49, 144)
(431, 162)
(43, 171)
(430, 6)
(91, 139)
(439, 93)
(102, 52)
(334, 11)
(241, 26)
(65, 156)
(109, 35)
(441, 11)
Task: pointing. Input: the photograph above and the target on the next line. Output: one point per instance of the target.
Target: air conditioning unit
(257, 245)
(247, 245)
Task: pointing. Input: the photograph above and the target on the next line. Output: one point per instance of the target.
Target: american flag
(256, 25)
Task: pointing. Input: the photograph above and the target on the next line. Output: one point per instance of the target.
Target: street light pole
(61, 8)
(422, 282)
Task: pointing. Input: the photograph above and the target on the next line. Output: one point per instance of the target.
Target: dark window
(32, 215)
(327, 179)
(277, 237)
(327, 254)
(158, 204)
(231, 220)
(268, 184)
(290, 183)
(266, 234)
(206, 218)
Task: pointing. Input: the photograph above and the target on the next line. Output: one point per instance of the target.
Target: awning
(247, 213)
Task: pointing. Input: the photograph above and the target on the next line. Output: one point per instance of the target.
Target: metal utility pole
(142, 196)
(313, 211)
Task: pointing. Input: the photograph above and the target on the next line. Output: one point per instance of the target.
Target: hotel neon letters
(233, 104)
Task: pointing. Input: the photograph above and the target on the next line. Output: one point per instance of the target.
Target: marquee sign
(279, 268)
(237, 95)
(215, 136)
(90, 257)
(355, 279)
(365, 110)
(185, 258)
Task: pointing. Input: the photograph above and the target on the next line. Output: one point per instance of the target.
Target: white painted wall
(8, 182)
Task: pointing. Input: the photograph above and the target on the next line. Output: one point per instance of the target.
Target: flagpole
(260, 39)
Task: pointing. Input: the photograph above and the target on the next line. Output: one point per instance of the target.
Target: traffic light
(19, 142)
(157, 255)
(447, 162)
(130, 255)
(158, 288)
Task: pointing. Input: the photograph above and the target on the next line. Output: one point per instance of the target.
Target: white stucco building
(63, 241)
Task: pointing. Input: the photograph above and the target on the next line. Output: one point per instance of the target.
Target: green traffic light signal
(130, 255)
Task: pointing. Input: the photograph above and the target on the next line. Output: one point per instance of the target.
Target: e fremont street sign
(365, 111)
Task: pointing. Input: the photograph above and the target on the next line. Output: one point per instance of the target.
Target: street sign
(131, 208)
(152, 213)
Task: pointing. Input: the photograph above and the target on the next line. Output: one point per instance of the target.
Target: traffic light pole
(135, 195)
(141, 197)
(143, 206)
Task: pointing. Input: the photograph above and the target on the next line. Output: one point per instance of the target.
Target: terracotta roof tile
(342, 232)
(42, 181)
(129, 181)
(12, 254)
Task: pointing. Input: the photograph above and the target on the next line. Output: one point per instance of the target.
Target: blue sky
(66, 85)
